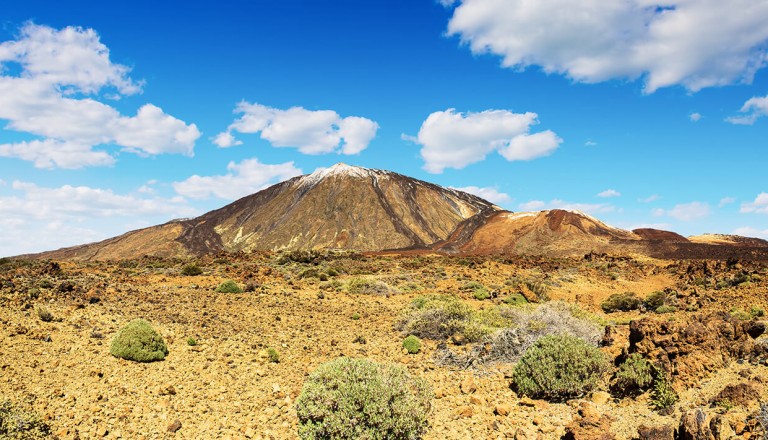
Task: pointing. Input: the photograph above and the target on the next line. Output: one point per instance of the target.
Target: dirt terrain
(225, 386)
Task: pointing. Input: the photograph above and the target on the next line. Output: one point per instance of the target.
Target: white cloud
(488, 193)
(590, 143)
(693, 43)
(753, 109)
(450, 139)
(54, 98)
(748, 231)
(649, 199)
(311, 131)
(695, 117)
(726, 201)
(686, 211)
(589, 208)
(609, 193)
(760, 205)
(242, 179)
(658, 212)
(35, 218)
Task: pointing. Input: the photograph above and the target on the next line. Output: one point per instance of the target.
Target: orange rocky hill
(369, 210)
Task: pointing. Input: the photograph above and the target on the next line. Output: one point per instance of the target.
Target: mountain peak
(339, 169)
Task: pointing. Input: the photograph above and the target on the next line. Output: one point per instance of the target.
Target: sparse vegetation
(663, 396)
(360, 399)
(634, 374)
(435, 317)
(624, 302)
(355, 316)
(364, 286)
(191, 341)
(139, 342)
(191, 270)
(273, 355)
(229, 286)
(412, 344)
(44, 314)
(19, 424)
(665, 309)
(559, 366)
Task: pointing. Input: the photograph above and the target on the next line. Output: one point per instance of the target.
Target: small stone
(249, 433)
(174, 426)
(468, 385)
(526, 401)
(474, 400)
(466, 411)
(502, 409)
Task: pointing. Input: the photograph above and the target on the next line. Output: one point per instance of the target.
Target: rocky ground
(225, 386)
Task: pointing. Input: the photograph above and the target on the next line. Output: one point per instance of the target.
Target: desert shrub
(558, 367)
(365, 286)
(520, 328)
(44, 314)
(656, 299)
(139, 342)
(740, 314)
(191, 270)
(434, 317)
(663, 396)
(665, 309)
(762, 417)
(355, 316)
(46, 284)
(301, 256)
(756, 312)
(515, 299)
(229, 286)
(191, 341)
(412, 344)
(273, 355)
(360, 399)
(33, 293)
(624, 302)
(19, 424)
(634, 374)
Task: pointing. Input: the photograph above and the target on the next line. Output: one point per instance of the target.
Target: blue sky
(127, 115)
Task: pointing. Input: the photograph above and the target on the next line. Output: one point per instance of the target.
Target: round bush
(412, 344)
(634, 374)
(624, 302)
(558, 367)
(139, 342)
(229, 286)
(360, 399)
(191, 270)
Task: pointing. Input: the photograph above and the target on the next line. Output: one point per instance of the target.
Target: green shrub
(273, 355)
(412, 344)
(665, 309)
(229, 286)
(624, 302)
(19, 424)
(191, 341)
(139, 342)
(365, 286)
(656, 299)
(435, 317)
(46, 284)
(481, 294)
(515, 299)
(663, 395)
(634, 374)
(539, 289)
(360, 399)
(191, 270)
(740, 314)
(756, 312)
(355, 316)
(44, 314)
(558, 367)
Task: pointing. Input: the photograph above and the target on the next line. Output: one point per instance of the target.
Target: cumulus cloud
(753, 109)
(693, 43)
(695, 117)
(609, 193)
(589, 208)
(759, 205)
(35, 218)
(311, 131)
(748, 231)
(62, 74)
(685, 212)
(242, 179)
(451, 139)
(488, 193)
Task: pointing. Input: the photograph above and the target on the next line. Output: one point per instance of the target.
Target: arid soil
(226, 387)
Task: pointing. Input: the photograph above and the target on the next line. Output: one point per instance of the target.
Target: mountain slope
(338, 207)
